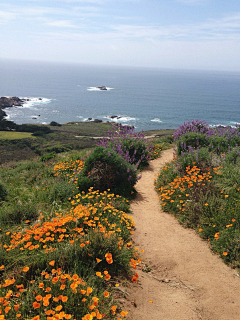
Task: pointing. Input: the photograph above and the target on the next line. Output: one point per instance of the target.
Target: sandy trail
(187, 281)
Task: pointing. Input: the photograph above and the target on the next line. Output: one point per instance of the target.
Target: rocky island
(102, 87)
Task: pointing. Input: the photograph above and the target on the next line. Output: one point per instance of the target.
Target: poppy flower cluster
(69, 168)
(52, 296)
(177, 191)
(90, 212)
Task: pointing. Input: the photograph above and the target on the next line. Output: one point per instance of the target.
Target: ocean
(146, 98)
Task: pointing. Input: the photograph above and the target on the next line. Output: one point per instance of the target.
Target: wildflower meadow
(65, 249)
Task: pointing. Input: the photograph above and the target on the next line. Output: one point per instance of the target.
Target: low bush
(106, 169)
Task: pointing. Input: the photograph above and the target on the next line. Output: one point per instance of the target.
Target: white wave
(156, 120)
(80, 117)
(11, 113)
(30, 101)
(8, 117)
(120, 118)
(217, 125)
(97, 89)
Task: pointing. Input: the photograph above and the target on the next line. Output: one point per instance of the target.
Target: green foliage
(84, 183)
(48, 156)
(108, 170)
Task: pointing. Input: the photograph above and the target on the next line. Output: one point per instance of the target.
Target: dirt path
(187, 281)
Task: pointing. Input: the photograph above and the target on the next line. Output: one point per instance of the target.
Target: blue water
(146, 98)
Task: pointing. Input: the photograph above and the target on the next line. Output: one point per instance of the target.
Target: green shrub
(84, 183)
(108, 170)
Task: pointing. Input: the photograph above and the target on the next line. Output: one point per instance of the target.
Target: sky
(176, 34)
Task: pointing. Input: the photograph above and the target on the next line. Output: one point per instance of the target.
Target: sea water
(148, 99)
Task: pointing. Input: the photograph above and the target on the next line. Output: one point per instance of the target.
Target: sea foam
(156, 120)
(30, 101)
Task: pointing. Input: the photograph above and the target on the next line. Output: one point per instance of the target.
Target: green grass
(13, 135)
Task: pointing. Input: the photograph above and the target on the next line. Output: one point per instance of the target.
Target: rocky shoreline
(8, 102)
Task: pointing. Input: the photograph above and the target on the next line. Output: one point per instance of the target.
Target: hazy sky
(188, 34)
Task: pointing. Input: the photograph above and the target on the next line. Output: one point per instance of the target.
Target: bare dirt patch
(181, 279)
